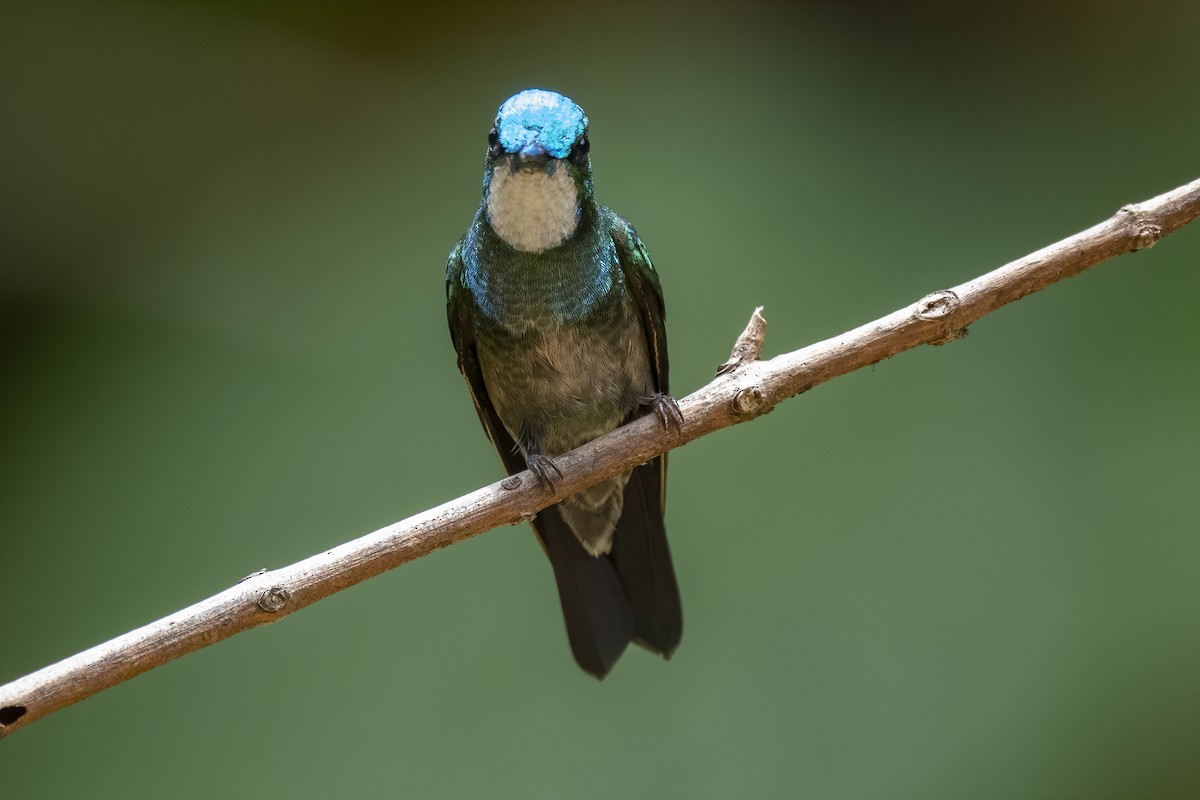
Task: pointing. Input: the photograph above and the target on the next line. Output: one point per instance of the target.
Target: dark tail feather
(599, 624)
(643, 561)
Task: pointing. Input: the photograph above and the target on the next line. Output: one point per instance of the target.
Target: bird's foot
(667, 410)
(543, 466)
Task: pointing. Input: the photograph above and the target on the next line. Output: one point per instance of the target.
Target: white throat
(533, 210)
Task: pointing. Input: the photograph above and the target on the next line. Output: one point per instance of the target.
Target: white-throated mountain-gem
(557, 317)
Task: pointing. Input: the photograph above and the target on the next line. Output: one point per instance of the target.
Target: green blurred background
(967, 572)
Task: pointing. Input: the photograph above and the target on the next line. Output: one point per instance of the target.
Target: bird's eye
(494, 141)
(579, 152)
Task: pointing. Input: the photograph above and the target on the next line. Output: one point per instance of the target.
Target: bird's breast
(566, 384)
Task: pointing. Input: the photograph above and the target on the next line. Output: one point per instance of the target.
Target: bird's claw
(542, 466)
(667, 410)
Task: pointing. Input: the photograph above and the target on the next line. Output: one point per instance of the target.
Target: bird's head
(537, 175)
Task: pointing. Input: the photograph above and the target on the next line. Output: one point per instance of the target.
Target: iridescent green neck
(520, 291)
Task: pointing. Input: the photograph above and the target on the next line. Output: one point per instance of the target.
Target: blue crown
(551, 119)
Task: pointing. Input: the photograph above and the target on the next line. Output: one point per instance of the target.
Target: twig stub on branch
(748, 346)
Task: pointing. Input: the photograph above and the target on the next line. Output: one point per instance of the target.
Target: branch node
(511, 482)
(749, 400)
(748, 346)
(1143, 233)
(274, 599)
(938, 305)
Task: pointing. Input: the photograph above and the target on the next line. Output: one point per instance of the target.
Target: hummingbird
(556, 315)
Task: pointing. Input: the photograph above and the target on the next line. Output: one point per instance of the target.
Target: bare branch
(745, 388)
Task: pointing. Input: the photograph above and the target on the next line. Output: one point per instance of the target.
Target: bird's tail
(643, 562)
(629, 594)
(599, 622)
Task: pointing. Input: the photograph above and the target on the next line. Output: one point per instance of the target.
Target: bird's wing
(643, 285)
(640, 552)
(460, 311)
